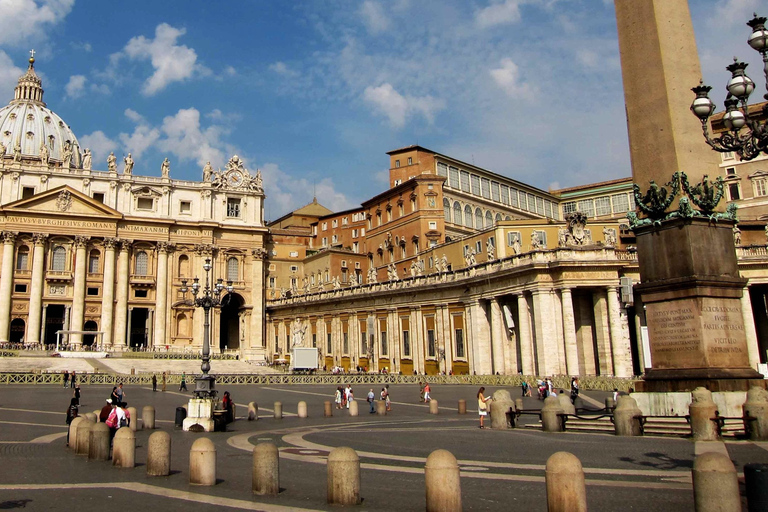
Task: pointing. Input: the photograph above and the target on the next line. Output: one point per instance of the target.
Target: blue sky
(314, 93)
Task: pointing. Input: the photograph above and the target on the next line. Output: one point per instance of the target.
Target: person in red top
(427, 390)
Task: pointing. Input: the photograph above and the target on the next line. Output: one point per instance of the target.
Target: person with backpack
(71, 414)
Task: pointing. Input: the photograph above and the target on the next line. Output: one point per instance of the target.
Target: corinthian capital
(9, 237)
(39, 238)
(110, 243)
(81, 241)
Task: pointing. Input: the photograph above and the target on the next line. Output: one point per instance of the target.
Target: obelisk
(690, 282)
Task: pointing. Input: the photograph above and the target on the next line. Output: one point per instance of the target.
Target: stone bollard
(518, 404)
(93, 418)
(702, 410)
(98, 444)
(715, 484)
(266, 469)
(96, 416)
(625, 420)
(73, 432)
(134, 415)
(756, 407)
(442, 482)
(159, 454)
(253, 411)
(84, 436)
(343, 477)
(566, 490)
(381, 407)
(124, 449)
(550, 421)
(302, 409)
(565, 404)
(327, 409)
(462, 406)
(500, 408)
(202, 462)
(353, 410)
(278, 409)
(433, 407)
(148, 417)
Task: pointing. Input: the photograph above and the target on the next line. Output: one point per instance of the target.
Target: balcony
(143, 281)
(58, 276)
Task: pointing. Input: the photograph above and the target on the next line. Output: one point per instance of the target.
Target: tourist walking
(163, 388)
(105, 411)
(120, 393)
(482, 405)
(338, 398)
(113, 396)
(427, 391)
(349, 395)
(372, 399)
(154, 382)
(66, 378)
(183, 385)
(73, 379)
(386, 398)
(71, 414)
(77, 393)
(574, 389)
(421, 391)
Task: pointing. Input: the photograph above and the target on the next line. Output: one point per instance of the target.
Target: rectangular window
(603, 206)
(410, 161)
(325, 226)
(587, 207)
(405, 326)
(458, 332)
(383, 338)
(453, 177)
(328, 341)
(442, 169)
(548, 209)
(733, 191)
(93, 291)
(233, 207)
(511, 237)
(363, 339)
(344, 221)
(345, 343)
(324, 242)
(542, 236)
(93, 264)
(356, 247)
(495, 192)
(486, 186)
(140, 294)
(540, 205)
(570, 207)
(20, 288)
(271, 282)
(277, 343)
(334, 239)
(145, 203)
(760, 189)
(728, 155)
(99, 197)
(185, 207)
(620, 203)
(27, 192)
(523, 201)
(504, 194)
(294, 268)
(532, 203)
(314, 340)
(475, 179)
(513, 197)
(335, 223)
(432, 224)
(465, 181)
(397, 163)
(430, 324)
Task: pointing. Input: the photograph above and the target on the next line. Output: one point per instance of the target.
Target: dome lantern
(30, 87)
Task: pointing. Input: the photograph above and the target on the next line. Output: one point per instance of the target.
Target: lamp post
(210, 298)
(750, 142)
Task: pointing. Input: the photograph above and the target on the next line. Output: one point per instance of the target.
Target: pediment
(758, 174)
(62, 200)
(145, 191)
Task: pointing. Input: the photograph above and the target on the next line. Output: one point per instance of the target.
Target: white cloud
(100, 146)
(374, 17)
(75, 87)
(230, 71)
(100, 88)
(508, 78)
(86, 47)
(498, 13)
(397, 108)
(22, 20)
(286, 192)
(185, 138)
(9, 74)
(143, 137)
(171, 62)
(281, 68)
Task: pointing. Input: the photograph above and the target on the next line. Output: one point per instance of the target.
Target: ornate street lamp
(750, 142)
(210, 298)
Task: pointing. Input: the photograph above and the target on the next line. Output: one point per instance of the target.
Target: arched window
(22, 258)
(447, 209)
(181, 325)
(457, 213)
(233, 269)
(468, 216)
(478, 218)
(93, 262)
(142, 263)
(183, 266)
(488, 220)
(498, 217)
(507, 218)
(59, 262)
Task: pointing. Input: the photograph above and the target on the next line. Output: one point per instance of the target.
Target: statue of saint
(165, 169)
(2, 150)
(128, 170)
(111, 162)
(17, 152)
(44, 154)
(207, 172)
(490, 250)
(372, 273)
(66, 158)
(736, 235)
(87, 159)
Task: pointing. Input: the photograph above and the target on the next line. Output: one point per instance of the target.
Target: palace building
(97, 258)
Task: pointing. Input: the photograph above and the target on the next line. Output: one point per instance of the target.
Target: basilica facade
(98, 258)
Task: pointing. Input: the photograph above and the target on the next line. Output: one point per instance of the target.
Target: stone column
(257, 340)
(161, 297)
(602, 333)
(395, 354)
(569, 333)
(498, 337)
(36, 290)
(42, 323)
(753, 348)
(481, 338)
(78, 292)
(6, 284)
(121, 308)
(130, 325)
(621, 351)
(448, 341)
(546, 333)
(526, 338)
(108, 293)
(417, 339)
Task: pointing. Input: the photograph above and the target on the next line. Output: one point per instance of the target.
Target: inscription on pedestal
(697, 333)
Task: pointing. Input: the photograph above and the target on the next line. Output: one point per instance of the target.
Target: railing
(597, 383)
(751, 251)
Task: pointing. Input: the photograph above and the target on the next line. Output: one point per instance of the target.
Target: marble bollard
(302, 409)
(253, 411)
(98, 444)
(159, 454)
(84, 436)
(148, 417)
(625, 417)
(266, 469)
(124, 448)
(756, 407)
(134, 415)
(202, 462)
(381, 407)
(715, 484)
(442, 482)
(278, 410)
(327, 409)
(566, 488)
(353, 408)
(433, 407)
(702, 410)
(462, 406)
(551, 421)
(73, 432)
(565, 403)
(343, 477)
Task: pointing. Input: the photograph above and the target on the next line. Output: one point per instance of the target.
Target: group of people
(344, 396)
(384, 396)
(114, 414)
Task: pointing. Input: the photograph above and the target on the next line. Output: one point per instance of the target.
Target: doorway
(54, 321)
(229, 320)
(89, 339)
(139, 331)
(17, 330)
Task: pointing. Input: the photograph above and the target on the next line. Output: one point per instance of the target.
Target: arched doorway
(89, 339)
(54, 321)
(17, 330)
(229, 320)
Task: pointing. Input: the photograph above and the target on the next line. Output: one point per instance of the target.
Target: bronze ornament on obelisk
(690, 282)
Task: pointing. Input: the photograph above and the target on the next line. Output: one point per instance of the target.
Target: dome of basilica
(26, 125)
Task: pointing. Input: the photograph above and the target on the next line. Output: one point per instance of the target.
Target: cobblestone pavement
(500, 470)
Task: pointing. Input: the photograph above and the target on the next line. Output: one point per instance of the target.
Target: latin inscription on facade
(61, 222)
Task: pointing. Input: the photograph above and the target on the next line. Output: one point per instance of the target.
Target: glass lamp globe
(702, 108)
(734, 120)
(740, 86)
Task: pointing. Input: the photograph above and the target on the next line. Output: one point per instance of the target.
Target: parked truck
(304, 360)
